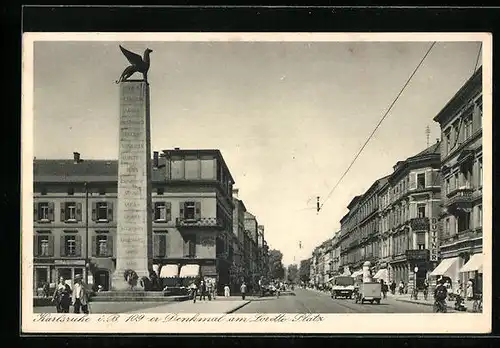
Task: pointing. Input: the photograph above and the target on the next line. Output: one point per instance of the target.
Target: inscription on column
(132, 243)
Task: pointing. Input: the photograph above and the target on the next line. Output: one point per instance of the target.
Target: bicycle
(440, 307)
(477, 305)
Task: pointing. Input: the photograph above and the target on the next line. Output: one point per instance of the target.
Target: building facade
(460, 243)
(75, 219)
(409, 202)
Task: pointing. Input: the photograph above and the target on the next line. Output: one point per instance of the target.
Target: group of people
(66, 296)
(204, 288)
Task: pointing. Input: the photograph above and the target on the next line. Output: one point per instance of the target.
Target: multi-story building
(239, 231)
(408, 203)
(251, 229)
(349, 239)
(336, 254)
(75, 219)
(460, 243)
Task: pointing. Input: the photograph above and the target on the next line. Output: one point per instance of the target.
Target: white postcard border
(330, 323)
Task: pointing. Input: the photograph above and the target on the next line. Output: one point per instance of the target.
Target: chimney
(76, 157)
(235, 193)
(155, 159)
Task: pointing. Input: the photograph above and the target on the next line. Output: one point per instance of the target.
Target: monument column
(134, 230)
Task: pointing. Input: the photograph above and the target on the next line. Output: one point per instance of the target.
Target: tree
(277, 271)
(304, 270)
(293, 273)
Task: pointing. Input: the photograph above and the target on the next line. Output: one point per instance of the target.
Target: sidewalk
(429, 302)
(219, 305)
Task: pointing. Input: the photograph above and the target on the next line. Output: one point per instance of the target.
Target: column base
(118, 282)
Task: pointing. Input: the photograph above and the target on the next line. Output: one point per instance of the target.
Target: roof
(454, 103)
(54, 170)
(353, 201)
(434, 149)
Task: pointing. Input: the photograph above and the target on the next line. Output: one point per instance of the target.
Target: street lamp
(415, 291)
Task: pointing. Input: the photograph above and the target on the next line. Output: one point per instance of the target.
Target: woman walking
(62, 296)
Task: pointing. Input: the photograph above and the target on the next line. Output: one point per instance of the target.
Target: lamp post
(87, 265)
(415, 290)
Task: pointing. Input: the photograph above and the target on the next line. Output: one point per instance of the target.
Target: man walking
(243, 290)
(80, 296)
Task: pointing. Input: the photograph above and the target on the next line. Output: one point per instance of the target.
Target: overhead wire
(377, 126)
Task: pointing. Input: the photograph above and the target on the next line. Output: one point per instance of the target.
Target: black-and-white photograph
(304, 176)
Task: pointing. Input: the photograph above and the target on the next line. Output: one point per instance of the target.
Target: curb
(238, 307)
(427, 304)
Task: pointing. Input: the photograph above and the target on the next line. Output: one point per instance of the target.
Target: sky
(288, 117)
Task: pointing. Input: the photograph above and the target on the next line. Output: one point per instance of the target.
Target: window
(447, 140)
(71, 211)
(44, 245)
(447, 186)
(456, 181)
(102, 191)
(190, 210)
(420, 237)
(160, 191)
(43, 191)
(43, 211)
(456, 133)
(70, 245)
(463, 221)
(421, 210)
(479, 216)
(468, 126)
(420, 181)
(71, 191)
(447, 227)
(480, 172)
(102, 246)
(102, 211)
(162, 211)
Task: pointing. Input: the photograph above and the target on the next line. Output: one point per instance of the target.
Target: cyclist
(440, 295)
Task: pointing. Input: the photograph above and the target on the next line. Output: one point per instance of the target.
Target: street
(311, 301)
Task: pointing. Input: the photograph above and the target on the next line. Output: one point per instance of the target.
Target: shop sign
(433, 237)
(417, 255)
(69, 262)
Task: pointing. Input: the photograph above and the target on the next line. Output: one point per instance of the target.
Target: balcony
(460, 197)
(420, 224)
(463, 236)
(203, 223)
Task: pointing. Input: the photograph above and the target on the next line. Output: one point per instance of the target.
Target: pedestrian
(470, 290)
(227, 291)
(62, 296)
(426, 289)
(383, 288)
(194, 291)
(80, 296)
(243, 290)
(210, 289)
(401, 287)
(214, 288)
(203, 290)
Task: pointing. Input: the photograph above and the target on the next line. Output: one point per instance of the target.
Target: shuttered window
(160, 240)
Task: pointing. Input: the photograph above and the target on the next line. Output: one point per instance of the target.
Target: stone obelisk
(134, 231)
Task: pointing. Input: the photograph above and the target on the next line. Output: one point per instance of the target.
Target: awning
(169, 271)
(189, 271)
(382, 274)
(475, 263)
(445, 267)
(357, 273)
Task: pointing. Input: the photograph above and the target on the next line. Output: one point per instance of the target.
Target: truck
(342, 286)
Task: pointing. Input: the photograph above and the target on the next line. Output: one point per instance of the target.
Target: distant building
(460, 243)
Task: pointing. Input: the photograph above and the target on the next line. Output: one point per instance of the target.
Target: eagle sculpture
(138, 64)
